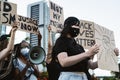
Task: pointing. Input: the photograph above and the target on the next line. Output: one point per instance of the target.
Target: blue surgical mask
(25, 52)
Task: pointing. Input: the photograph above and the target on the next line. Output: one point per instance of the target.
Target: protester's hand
(93, 50)
(49, 28)
(116, 50)
(14, 26)
(14, 29)
(28, 64)
(39, 36)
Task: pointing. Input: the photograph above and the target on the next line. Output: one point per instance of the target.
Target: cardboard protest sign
(86, 37)
(106, 57)
(8, 12)
(27, 24)
(56, 17)
(91, 33)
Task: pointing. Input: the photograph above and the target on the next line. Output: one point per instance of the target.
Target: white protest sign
(86, 37)
(8, 13)
(56, 17)
(27, 24)
(106, 57)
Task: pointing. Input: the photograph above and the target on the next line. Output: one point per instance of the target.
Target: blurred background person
(6, 51)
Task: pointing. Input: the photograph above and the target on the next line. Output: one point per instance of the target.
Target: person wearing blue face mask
(25, 49)
(24, 69)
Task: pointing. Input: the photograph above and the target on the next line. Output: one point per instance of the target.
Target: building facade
(39, 10)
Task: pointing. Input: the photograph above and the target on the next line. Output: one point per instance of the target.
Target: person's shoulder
(17, 45)
(62, 40)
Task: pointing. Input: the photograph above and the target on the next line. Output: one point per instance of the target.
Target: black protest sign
(0, 12)
(86, 36)
(8, 13)
(27, 24)
(56, 17)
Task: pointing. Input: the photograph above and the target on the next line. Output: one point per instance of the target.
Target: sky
(103, 12)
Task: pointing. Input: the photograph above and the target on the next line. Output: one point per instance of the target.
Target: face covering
(74, 32)
(25, 52)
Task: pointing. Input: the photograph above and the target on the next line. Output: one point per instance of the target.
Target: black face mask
(74, 32)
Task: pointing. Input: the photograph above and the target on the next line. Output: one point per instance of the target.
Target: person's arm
(66, 60)
(36, 71)
(5, 52)
(39, 38)
(20, 75)
(49, 53)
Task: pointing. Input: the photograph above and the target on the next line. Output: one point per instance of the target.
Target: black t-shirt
(69, 45)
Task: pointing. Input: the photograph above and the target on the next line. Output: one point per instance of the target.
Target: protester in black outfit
(69, 59)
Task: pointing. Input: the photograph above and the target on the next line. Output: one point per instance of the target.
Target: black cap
(4, 37)
(71, 21)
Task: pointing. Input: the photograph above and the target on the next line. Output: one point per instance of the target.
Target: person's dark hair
(4, 41)
(4, 37)
(17, 48)
(68, 23)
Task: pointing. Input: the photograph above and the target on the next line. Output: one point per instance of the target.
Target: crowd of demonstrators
(69, 60)
(14, 61)
(6, 50)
